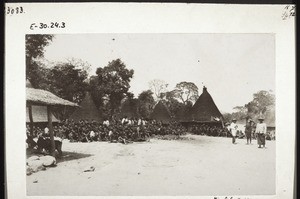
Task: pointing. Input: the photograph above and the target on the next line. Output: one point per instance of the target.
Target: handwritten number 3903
(16, 10)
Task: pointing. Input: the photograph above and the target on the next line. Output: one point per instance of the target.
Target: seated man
(92, 136)
(122, 139)
(31, 143)
(71, 136)
(83, 138)
(112, 135)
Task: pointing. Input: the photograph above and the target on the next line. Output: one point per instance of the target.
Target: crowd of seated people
(209, 130)
(123, 131)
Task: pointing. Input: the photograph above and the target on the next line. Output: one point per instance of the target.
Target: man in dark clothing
(248, 131)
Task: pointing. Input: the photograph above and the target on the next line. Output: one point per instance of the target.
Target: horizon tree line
(110, 86)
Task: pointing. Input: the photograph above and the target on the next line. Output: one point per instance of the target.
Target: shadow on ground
(67, 156)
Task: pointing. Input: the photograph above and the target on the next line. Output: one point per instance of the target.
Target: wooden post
(49, 114)
(222, 123)
(30, 119)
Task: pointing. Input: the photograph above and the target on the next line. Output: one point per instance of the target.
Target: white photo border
(149, 18)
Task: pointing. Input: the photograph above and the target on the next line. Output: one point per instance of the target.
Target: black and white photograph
(150, 114)
(116, 105)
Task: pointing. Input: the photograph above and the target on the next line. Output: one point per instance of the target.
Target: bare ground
(200, 166)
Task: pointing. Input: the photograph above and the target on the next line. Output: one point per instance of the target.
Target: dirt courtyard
(199, 166)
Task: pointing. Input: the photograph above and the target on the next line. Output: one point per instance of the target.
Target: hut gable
(161, 113)
(205, 108)
(28, 84)
(87, 110)
(39, 114)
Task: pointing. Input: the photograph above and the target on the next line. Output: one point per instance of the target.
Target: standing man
(261, 130)
(248, 130)
(233, 129)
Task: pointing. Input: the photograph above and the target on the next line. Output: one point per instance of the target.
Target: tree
(227, 117)
(79, 64)
(177, 108)
(113, 84)
(35, 45)
(38, 75)
(96, 91)
(130, 106)
(168, 95)
(260, 103)
(240, 113)
(146, 103)
(158, 87)
(186, 91)
(174, 106)
(68, 82)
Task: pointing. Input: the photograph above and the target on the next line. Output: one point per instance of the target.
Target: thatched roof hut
(129, 108)
(204, 109)
(88, 110)
(161, 113)
(44, 98)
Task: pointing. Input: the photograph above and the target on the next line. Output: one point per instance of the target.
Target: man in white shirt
(106, 122)
(46, 130)
(92, 135)
(110, 135)
(261, 130)
(124, 120)
(139, 122)
(233, 130)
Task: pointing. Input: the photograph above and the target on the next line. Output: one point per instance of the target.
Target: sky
(232, 66)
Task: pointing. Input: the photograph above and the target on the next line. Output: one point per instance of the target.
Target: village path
(201, 166)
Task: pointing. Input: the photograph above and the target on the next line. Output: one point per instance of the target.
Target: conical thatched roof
(129, 109)
(39, 114)
(88, 110)
(204, 109)
(161, 113)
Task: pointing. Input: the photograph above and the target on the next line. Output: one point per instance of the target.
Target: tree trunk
(51, 130)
